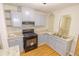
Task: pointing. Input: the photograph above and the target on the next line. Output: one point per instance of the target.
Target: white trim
(42, 43)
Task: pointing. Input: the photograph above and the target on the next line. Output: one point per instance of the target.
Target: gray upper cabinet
(40, 19)
(13, 18)
(35, 16)
(27, 14)
(16, 19)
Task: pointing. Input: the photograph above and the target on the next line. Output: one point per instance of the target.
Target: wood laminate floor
(43, 50)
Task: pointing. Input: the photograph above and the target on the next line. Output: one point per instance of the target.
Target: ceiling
(48, 7)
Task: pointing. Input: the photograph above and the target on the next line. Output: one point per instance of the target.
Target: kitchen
(48, 27)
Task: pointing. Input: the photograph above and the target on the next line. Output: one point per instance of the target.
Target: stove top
(30, 34)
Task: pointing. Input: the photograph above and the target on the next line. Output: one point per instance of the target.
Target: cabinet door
(28, 15)
(16, 19)
(41, 39)
(21, 44)
(60, 46)
(40, 20)
(19, 41)
(52, 41)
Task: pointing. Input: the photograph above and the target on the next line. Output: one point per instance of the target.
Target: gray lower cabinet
(52, 41)
(43, 38)
(40, 39)
(21, 44)
(16, 41)
(58, 44)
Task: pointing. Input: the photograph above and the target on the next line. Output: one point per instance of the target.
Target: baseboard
(42, 43)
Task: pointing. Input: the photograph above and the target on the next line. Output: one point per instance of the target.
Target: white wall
(50, 22)
(74, 29)
(3, 31)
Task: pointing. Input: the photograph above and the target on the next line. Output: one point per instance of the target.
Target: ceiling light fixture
(27, 12)
(44, 3)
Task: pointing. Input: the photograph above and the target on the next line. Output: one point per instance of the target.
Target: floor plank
(43, 50)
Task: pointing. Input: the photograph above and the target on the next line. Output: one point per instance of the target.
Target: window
(65, 26)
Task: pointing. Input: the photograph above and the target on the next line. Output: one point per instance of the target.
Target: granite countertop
(64, 39)
(43, 31)
(52, 34)
(14, 35)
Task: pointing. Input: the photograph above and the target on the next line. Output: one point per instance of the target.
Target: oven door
(30, 43)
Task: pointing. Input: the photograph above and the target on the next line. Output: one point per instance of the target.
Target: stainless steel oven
(30, 40)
